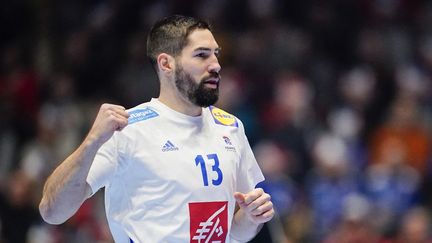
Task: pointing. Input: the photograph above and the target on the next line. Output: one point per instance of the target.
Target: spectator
(17, 208)
(329, 184)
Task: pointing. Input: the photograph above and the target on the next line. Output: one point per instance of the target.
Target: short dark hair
(169, 35)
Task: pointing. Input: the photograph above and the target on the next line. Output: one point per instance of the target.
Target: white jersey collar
(178, 116)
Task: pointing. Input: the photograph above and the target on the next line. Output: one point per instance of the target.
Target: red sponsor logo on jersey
(208, 222)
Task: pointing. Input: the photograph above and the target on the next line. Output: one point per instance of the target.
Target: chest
(184, 159)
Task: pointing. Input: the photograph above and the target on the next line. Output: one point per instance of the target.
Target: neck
(174, 100)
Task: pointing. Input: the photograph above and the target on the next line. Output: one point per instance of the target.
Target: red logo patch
(208, 222)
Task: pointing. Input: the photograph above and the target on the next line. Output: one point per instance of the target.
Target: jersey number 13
(212, 158)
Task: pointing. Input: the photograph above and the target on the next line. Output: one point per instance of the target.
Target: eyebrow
(218, 49)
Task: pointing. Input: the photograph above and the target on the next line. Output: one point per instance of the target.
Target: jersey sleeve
(105, 164)
(249, 173)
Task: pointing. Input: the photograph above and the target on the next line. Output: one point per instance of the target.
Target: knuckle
(257, 211)
(254, 205)
(271, 215)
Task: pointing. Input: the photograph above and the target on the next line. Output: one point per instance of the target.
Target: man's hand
(256, 205)
(110, 118)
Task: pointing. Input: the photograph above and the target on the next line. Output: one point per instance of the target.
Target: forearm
(243, 229)
(66, 188)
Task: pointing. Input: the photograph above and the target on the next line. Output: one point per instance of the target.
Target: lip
(213, 80)
(214, 83)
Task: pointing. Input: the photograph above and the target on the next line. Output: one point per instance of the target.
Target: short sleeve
(249, 173)
(104, 165)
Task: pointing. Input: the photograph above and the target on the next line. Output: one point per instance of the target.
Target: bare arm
(66, 188)
(253, 210)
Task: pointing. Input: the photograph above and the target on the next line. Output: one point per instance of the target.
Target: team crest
(222, 117)
(208, 222)
(228, 144)
(227, 140)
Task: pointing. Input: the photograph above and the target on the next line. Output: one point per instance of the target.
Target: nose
(214, 65)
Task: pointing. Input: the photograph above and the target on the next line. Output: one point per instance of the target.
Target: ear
(166, 63)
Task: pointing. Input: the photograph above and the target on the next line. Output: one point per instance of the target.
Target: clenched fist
(256, 204)
(109, 119)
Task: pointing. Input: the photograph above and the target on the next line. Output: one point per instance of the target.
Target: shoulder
(223, 118)
(141, 119)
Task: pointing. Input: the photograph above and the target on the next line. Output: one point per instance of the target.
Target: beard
(196, 93)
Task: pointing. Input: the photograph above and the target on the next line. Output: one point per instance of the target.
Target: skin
(199, 58)
(66, 189)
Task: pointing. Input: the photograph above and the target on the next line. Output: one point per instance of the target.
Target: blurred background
(335, 97)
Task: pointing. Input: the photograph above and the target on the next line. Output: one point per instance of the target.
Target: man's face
(197, 69)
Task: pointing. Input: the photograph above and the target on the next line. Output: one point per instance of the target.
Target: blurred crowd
(335, 97)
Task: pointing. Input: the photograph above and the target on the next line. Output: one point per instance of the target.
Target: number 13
(199, 160)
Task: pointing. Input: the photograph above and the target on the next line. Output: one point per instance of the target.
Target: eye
(202, 55)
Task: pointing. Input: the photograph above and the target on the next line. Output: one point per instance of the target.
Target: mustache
(212, 75)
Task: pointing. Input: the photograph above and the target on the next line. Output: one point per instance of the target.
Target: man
(175, 169)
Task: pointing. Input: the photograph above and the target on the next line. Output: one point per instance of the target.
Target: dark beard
(197, 94)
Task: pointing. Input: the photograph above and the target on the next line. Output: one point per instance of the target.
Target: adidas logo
(168, 146)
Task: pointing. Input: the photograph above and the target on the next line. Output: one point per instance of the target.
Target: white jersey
(170, 177)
